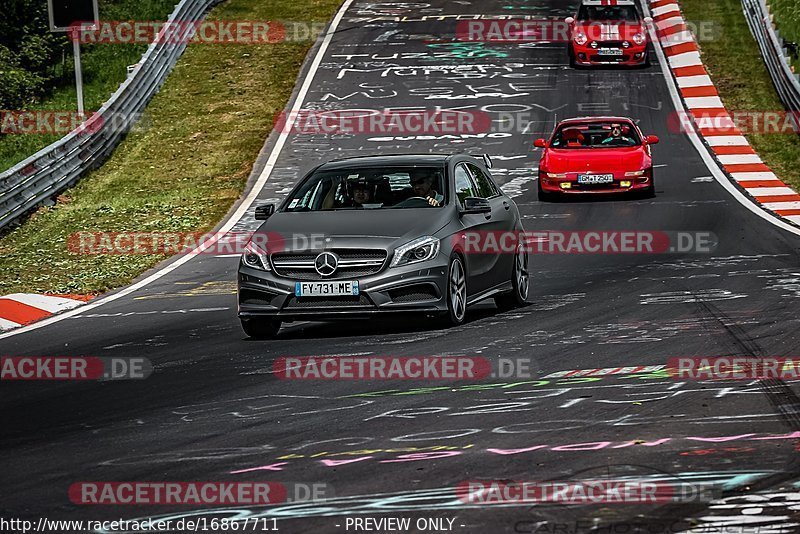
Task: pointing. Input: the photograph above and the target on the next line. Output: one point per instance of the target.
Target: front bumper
(570, 185)
(416, 288)
(635, 55)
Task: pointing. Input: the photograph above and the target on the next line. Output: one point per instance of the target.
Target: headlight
(639, 38)
(634, 174)
(255, 257)
(554, 175)
(422, 249)
(580, 38)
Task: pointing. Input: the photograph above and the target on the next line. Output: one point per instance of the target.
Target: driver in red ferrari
(615, 137)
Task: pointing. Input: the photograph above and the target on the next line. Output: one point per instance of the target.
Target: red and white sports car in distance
(596, 155)
(608, 32)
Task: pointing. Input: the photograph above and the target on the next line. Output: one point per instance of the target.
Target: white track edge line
(723, 180)
(233, 219)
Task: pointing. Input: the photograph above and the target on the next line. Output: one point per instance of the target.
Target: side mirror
(652, 140)
(569, 20)
(476, 205)
(264, 211)
(540, 143)
(648, 20)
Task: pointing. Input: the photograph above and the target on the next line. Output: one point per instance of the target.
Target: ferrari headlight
(256, 257)
(422, 249)
(580, 38)
(639, 38)
(634, 174)
(554, 175)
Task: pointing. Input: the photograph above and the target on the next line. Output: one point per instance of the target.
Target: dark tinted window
(583, 135)
(624, 13)
(464, 186)
(486, 188)
(367, 188)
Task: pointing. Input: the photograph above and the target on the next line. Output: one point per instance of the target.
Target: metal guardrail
(772, 50)
(60, 165)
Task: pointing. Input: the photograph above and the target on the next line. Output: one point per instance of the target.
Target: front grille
(327, 302)
(353, 263)
(625, 57)
(612, 185)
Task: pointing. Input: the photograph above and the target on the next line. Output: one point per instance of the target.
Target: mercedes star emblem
(326, 263)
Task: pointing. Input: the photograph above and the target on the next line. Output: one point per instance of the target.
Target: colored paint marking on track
(19, 309)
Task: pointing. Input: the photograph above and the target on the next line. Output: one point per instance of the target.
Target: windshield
(622, 13)
(370, 188)
(578, 135)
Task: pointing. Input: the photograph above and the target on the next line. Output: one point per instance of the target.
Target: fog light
(566, 185)
(582, 56)
(625, 183)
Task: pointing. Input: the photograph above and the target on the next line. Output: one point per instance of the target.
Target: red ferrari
(596, 155)
(608, 32)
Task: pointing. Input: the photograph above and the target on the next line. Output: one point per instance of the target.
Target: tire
(544, 196)
(572, 62)
(456, 287)
(520, 282)
(261, 328)
(646, 63)
(650, 192)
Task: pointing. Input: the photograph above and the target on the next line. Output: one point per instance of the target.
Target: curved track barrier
(37, 179)
(772, 50)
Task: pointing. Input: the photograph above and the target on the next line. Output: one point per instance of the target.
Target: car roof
(387, 160)
(596, 119)
(609, 3)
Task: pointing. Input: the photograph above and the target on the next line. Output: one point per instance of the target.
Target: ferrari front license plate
(591, 179)
(609, 52)
(326, 289)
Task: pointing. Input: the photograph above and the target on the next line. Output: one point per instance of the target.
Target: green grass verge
(104, 67)
(787, 18)
(182, 172)
(734, 61)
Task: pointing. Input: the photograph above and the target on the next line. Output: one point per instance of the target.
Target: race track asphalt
(213, 407)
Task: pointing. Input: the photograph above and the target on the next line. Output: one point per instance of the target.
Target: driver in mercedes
(422, 184)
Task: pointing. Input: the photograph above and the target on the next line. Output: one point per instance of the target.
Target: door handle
(506, 205)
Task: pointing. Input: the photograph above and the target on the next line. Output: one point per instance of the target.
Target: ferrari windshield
(360, 188)
(620, 13)
(577, 135)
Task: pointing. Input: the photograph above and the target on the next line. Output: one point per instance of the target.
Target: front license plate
(595, 178)
(609, 52)
(326, 289)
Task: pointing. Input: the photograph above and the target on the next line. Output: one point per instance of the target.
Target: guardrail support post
(76, 47)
